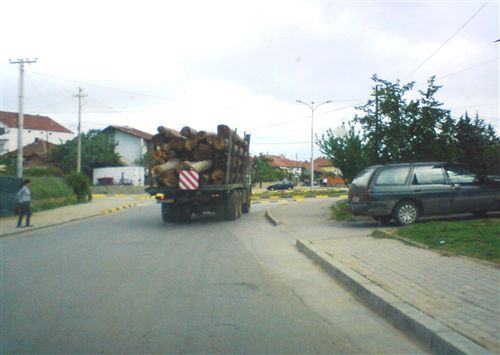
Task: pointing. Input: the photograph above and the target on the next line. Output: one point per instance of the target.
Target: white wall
(133, 173)
(129, 147)
(8, 141)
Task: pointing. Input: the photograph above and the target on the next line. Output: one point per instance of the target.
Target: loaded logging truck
(196, 172)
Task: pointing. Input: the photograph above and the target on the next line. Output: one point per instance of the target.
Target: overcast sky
(243, 63)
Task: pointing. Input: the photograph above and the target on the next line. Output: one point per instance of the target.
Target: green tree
(477, 145)
(426, 123)
(9, 162)
(261, 169)
(348, 153)
(397, 130)
(385, 122)
(98, 150)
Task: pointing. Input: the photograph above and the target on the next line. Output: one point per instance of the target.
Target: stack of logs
(206, 153)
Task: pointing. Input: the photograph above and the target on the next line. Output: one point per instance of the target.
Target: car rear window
(460, 175)
(393, 176)
(429, 175)
(363, 177)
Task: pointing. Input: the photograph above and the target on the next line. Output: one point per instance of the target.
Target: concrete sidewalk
(99, 205)
(450, 304)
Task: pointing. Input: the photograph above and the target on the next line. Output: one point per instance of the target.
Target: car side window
(393, 176)
(461, 175)
(428, 175)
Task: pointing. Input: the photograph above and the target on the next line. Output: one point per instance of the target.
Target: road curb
(119, 208)
(102, 213)
(274, 221)
(434, 336)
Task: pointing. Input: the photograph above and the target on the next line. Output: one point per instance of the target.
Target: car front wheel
(406, 212)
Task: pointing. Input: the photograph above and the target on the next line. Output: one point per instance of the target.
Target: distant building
(324, 171)
(132, 143)
(36, 155)
(292, 167)
(35, 128)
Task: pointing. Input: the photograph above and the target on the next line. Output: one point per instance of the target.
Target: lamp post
(313, 106)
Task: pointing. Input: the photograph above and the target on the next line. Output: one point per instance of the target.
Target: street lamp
(313, 106)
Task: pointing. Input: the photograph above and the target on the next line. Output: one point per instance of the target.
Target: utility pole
(80, 95)
(313, 106)
(20, 120)
(375, 155)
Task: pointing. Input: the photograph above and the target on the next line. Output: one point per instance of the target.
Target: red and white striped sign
(189, 180)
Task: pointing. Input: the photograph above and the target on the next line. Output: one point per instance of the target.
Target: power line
(107, 87)
(468, 68)
(446, 42)
(278, 143)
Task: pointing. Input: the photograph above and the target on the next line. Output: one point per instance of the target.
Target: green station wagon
(407, 191)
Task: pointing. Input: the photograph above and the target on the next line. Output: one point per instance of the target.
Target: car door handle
(456, 187)
(417, 190)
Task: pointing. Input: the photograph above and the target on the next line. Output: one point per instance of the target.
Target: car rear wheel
(383, 220)
(406, 212)
(480, 214)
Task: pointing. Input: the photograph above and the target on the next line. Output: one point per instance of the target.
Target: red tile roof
(39, 148)
(280, 161)
(130, 130)
(322, 162)
(35, 122)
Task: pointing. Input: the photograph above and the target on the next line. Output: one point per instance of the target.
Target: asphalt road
(127, 283)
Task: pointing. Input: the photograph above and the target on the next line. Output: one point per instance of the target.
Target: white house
(35, 128)
(132, 143)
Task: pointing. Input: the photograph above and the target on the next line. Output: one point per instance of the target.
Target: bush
(50, 192)
(47, 187)
(80, 184)
(51, 171)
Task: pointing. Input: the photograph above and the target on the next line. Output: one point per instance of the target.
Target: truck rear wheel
(247, 204)
(231, 206)
(239, 203)
(220, 209)
(167, 212)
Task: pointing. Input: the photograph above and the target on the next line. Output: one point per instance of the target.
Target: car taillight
(368, 195)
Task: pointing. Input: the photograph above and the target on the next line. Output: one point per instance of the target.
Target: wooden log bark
(169, 165)
(191, 143)
(219, 143)
(202, 135)
(168, 178)
(223, 131)
(157, 140)
(203, 152)
(165, 148)
(198, 166)
(188, 132)
(177, 143)
(168, 132)
(217, 177)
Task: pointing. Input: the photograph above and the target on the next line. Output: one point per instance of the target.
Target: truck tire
(239, 203)
(231, 206)
(184, 215)
(220, 209)
(167, 213)
(247, 204)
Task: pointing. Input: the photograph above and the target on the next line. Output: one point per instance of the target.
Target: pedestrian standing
(24, 200)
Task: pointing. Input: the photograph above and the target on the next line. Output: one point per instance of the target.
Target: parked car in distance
(408, 191)
(280, 186)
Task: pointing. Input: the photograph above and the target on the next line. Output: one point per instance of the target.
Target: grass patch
(297, 193)
(478, 238)
(49, 192)
(340, 211)
(50, 203)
